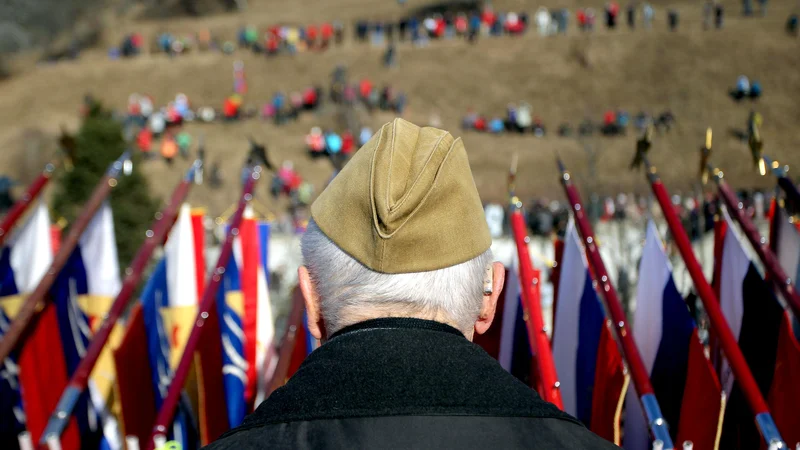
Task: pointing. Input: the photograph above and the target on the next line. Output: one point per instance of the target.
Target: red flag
(610, 385)
(212, 414)
(555, 277)
(137, 399)
(55, 237)
(703, 404)
(784, 394)
(248, 273)
(42, 379)
(199, 234)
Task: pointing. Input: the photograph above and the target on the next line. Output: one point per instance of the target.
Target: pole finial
(755, 142)
(705, 155)
(643, 145)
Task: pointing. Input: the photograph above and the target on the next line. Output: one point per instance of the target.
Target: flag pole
(531, 304)
(27, 314)
(167, 410)
(23, 203)
(710, 301)
(624, 335)
(782, 281)
(155, 235)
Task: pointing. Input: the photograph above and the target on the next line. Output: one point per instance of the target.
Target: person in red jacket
(347, 142)
(144, 140)
(311, 36)
(326, 30)
(365, 88)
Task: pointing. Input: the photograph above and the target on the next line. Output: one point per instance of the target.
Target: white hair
(347, 288)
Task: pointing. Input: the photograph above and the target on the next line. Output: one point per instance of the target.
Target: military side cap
(406, 202)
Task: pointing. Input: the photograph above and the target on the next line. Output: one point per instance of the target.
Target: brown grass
(688, 72)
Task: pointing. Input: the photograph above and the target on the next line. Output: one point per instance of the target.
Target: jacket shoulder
(411, 432)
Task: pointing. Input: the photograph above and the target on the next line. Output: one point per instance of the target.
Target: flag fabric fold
(591, 373)
(169, 307)
(666, 335)
(30, 386)
(754, 315)
(83, 293)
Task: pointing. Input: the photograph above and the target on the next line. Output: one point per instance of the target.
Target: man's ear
(316, 326)
(489, 306)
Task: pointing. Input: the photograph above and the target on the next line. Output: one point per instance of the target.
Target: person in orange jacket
(169, 148)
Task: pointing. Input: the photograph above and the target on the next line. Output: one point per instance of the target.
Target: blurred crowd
(519, 118)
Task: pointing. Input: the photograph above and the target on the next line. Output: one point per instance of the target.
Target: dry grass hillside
(688, 71)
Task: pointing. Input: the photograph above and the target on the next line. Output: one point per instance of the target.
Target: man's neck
(361, 315)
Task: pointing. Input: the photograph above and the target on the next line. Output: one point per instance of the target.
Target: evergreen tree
(99, 143)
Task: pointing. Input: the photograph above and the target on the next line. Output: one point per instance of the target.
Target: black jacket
(405, 383)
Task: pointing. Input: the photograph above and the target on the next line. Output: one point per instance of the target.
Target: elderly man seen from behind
(397, 278)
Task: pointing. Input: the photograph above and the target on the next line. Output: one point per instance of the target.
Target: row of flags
(231, 367)
(693, 383)
(237, 363)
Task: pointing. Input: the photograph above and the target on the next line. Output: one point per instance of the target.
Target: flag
(246, 320)
(785, 241)
(137, 399)
(83, 293)
(666, 334)
(515, 351)
(230, 304)
(169, 308)
(265, 354)
(784, 395)
(250, 252)
(30, 386)
(754, 316)
(589, 368)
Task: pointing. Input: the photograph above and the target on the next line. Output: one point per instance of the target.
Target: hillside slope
(688, 72)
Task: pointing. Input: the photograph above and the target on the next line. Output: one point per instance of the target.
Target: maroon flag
(137, 399)
(703, 403)
(784, 394)
(212, 414)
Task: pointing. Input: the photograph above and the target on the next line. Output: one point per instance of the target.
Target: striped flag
(83, 293)
(515, 351)
(230, 304)
(169, 307)
(754, 315)
(246, 320)
(666, 334)
(588, 364)
(23, 261)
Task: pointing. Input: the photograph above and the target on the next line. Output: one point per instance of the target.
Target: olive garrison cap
(406, 202)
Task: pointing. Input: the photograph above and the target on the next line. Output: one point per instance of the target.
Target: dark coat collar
(397, 323)
(399, 366)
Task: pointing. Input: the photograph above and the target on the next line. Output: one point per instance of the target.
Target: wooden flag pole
(27, 314)
(156, 234)
(167, 411)
(711, 303)
(23, 203)
(624, 336)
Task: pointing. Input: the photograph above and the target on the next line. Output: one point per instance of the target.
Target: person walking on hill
(647, 15)
(396, 287)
